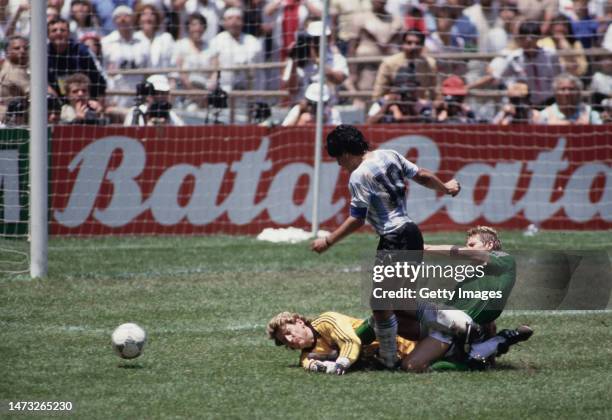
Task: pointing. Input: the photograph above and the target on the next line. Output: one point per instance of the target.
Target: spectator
(66, 57)
(407, 66)
(494, 38)
(253, 16)
(14, 74)
(568, 108)
(19, 18)
(484, 16)
(343, 14)
(212, 10)
(80, 109)
(501, 36)
(93, 42)
(537, 66)
(401, 105)
(402, 8)
(230, 48)
(538, 11)
(193, 53)
(52, 13)
(287, 19)
(121, 51)
(176, 17)
(4, 17)
(153, 105)
(607, 39)
(585, 26)
(462, 26)
(451, 109)
(82, 19)
(376, 31)
(517, 108)
(104, 10)
(161, 44)
(561, 38)
(298, 75)
(305, 111)
(447, 39)
(419, 17)
(601, 84)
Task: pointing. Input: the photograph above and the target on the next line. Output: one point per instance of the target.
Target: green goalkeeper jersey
(498, 280)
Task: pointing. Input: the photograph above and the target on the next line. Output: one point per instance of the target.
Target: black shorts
(406, 238)
(392, 249)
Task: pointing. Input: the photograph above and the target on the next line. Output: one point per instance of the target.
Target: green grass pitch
(204, 302)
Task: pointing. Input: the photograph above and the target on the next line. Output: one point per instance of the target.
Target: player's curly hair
(346, 139)
(279, 320)
(487, 235)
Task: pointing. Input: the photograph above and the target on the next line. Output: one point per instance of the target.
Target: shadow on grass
(130, 366)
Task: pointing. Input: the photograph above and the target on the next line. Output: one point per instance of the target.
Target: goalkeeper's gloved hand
(342, 365)
(322, 367)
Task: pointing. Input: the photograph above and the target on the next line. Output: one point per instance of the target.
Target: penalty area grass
(204, 302)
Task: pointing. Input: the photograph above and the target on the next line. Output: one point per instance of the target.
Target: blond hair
(487, 235)
(279, 321)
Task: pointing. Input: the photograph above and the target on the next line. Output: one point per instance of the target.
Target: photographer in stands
(153, 105)
(401, 105)
(517, 108)
(451, 109)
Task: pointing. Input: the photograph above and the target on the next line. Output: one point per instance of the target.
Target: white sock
(486, 348)
(386, 334)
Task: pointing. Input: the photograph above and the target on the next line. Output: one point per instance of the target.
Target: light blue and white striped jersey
(378, 190)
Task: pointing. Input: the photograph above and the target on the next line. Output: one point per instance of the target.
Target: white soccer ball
(128, 340)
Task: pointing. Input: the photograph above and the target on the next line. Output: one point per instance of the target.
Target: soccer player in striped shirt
(378, 194)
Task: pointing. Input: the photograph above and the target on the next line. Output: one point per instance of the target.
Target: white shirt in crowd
(602, 83)
(310, 73)
(584, 114)
(231, 51)
(212, 10)
(276, 19)
(538, 72)
(161, 49)
(120, 53)
(189, 57)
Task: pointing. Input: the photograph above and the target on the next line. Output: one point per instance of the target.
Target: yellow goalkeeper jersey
(335, 335)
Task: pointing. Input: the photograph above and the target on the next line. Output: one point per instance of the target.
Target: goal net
(198, 117)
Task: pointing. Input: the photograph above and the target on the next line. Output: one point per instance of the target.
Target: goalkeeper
(378, 192)
(333, 342)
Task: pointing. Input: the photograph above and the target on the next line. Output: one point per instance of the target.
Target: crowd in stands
(400, 61)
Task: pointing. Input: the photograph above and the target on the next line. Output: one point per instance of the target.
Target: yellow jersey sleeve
(337, 330)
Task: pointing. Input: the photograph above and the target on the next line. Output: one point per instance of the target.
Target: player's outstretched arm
(459, 252)
(350, 225)
(428, 179)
